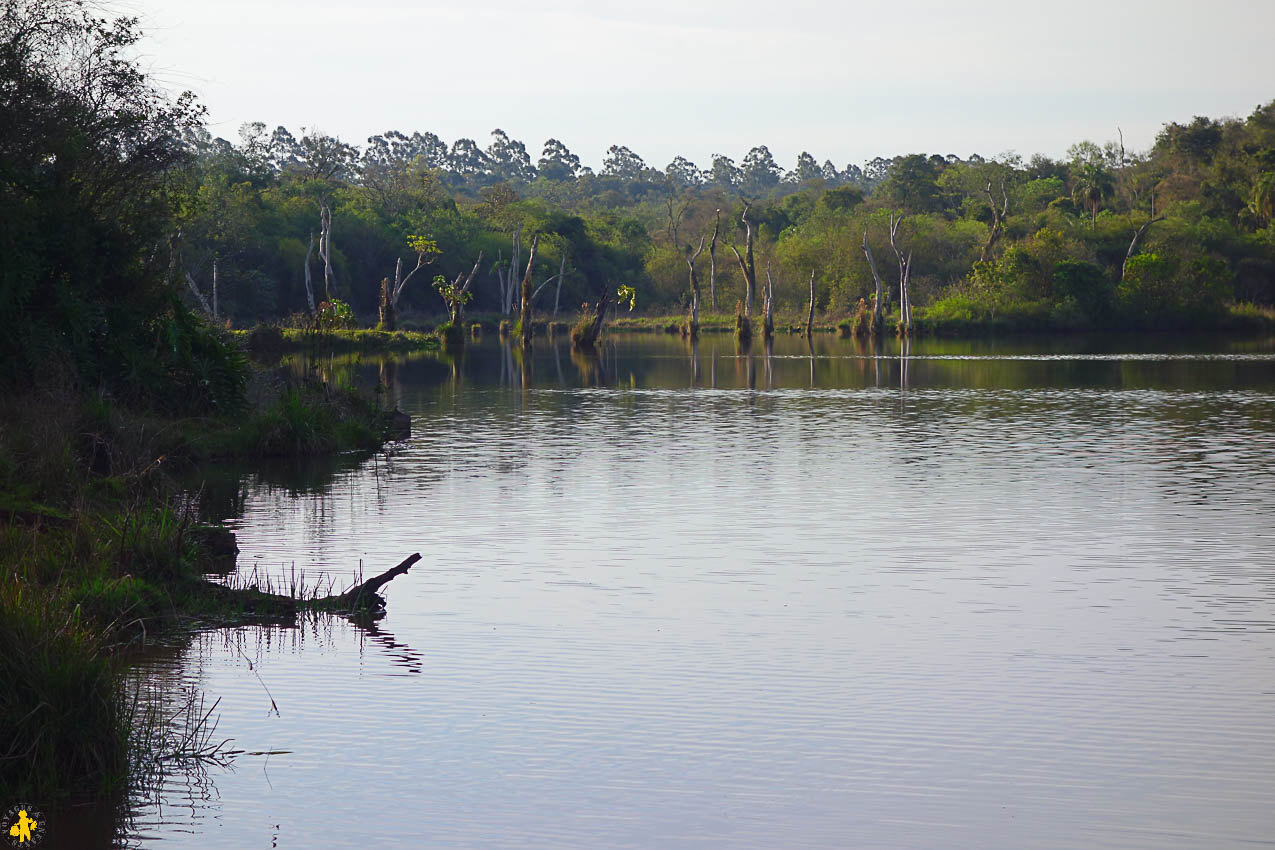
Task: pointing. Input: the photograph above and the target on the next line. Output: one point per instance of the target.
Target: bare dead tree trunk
(525, 318)
(768, 307)
(500, 277)
(746, 265)
(385, 307)
(536, 292)
(712, 261)
(199, 296)
(692, 324)
(876, 304)
(905, 273)
(998, 220)
(325, 247)
(174, 257)
(511, 273)
(562, 272)
(1137, 237)
(675, 222)
(309, 288)
(750, 269)
(454, 296)
(216, 313)
(907, 293)
(810, 316)
(457, 307)
(400, 282)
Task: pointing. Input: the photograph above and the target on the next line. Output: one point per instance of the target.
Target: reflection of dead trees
(810, 347)
(768, 349)
(557, 363)
(592, 370)
(905, 359)
(457, 362)
(869, 349)
(506, 363)
(694, 361)
(523, 358)
(387, 377)
(745, 368)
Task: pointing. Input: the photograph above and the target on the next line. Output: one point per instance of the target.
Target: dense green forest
(1046, 241)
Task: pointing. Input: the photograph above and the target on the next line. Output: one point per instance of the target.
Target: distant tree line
(1104, 236)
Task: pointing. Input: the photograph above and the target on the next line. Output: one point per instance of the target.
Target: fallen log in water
(267, 606)
(364, 597)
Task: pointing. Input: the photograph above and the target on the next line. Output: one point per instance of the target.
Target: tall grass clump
(309, 421)
(863, 323)
(62, 716)
(451, 333)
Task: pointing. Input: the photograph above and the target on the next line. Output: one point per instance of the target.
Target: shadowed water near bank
(960, 595)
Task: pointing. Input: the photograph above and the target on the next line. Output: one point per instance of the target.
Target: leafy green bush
(1085, 288)
(1161, 290)
(335, 315)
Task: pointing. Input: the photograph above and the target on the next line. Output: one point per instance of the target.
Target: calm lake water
(990, 595)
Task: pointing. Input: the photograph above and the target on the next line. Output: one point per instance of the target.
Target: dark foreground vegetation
(112, 387)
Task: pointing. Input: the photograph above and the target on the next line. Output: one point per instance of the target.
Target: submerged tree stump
(588, 329)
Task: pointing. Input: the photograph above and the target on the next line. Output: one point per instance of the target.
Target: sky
(845, 81)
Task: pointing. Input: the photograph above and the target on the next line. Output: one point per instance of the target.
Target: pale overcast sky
(846, 81)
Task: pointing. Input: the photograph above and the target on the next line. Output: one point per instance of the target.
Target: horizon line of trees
(470, 167)
(985, 233)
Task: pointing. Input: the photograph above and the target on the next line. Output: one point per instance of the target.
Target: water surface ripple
(978, 609)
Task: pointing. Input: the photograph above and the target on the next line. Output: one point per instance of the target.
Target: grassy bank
(273, 340)
(955, 317)
(100, 547)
